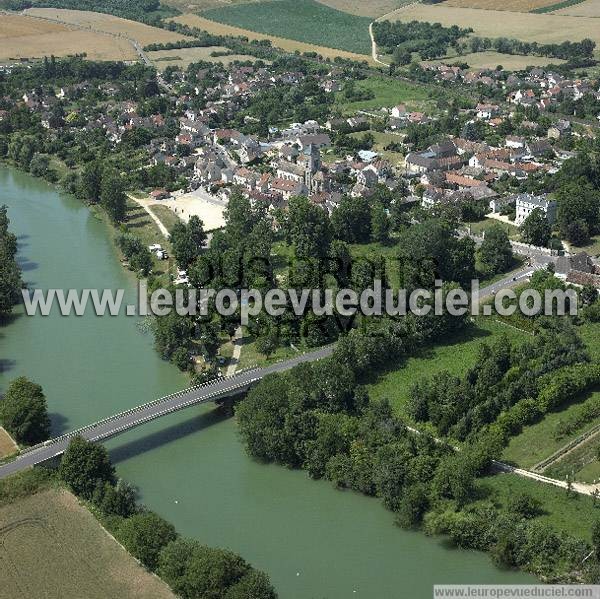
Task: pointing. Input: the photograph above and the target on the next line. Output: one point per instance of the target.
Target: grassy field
(512, 5)
(483, 225)
(251, 357)
(541, 28)
(7, 444)
(306, 21)
(537, 442)
(26, 37)
(587, 8)
(95, 21)
(289, 45)
(388, 93)
(510, 62)
(166, 216)
(185, 56)
(456, 355)
(374, 8)
(571, 514)
(50, 546)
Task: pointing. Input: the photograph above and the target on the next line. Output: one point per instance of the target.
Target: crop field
(26, 37)
(307, 21)
(587, 8)
(7, 444)
(581, 463)
(456, 355)
(289, 45)
(182, 57)
(538, 441)
(95, 21)
(511, 62)
(511, 5)
(50, 546)
(541, 28)
(373, 9)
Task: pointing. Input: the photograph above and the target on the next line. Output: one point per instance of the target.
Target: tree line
(10, 272)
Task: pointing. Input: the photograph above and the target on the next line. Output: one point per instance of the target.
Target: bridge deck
(119, 423)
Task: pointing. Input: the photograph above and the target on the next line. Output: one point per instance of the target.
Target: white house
(526, 203)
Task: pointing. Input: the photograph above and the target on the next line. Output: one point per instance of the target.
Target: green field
(307, 21)
(537, 442)
(483, 225)
(388, 93)
(51, 546)
(456, 356)
(571, 514)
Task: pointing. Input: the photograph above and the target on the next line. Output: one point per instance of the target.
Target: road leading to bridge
(119, 423)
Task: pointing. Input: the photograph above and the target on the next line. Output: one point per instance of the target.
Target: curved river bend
(314, 542)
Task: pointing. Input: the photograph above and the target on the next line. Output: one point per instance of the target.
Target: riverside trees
(24, 412)
(10, 273)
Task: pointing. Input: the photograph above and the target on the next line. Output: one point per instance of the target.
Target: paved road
(520, 276)
(124, 421)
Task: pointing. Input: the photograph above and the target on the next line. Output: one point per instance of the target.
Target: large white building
(526, 203)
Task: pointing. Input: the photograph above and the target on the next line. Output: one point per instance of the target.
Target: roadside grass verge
(572, 514)
(581, 463)
(165, 215)
(307, 21)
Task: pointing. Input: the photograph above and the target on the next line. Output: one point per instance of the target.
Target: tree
(187, 241)
(577, 232)
(194, 570)
(91, 181)
(112, 196)
(596, 538)
(115, 500)
(536, 229)
(10, 273)
(578, 202)
(24, 412)
(85, 464)
(525, 505)
(307, 228)
(351, 220)
(144, 535)
(267, 344)
(380, 223)
(495, 252)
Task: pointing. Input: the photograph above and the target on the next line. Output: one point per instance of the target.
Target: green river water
(313, 541)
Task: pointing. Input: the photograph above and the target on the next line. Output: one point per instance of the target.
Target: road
(119, 423)
(520, 276)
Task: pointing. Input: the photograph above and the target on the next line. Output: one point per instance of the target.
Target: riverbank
(190, 467)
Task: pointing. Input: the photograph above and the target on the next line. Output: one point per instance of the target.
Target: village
(503, 145)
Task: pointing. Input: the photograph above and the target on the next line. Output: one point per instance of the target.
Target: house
(399, 111)
(560, 128)
(580, 269)
(514, 141)
(540, 148)
(526, 203)
(288, 189)
(320, 140)
(487, 111)
(159, 194)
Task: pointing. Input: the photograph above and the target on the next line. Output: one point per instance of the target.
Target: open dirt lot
(512, 5)
(208, 208)
(285, 44)
(7, 445)
(542, 28)
(588, 8)
(27, 37)
(182, 57)
(96, 21)
(52, 547)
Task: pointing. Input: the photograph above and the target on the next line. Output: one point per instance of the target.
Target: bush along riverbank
(319, 418)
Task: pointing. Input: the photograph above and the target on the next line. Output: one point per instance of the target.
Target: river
(313, 541)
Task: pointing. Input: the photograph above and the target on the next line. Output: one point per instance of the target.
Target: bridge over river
(124, 421)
